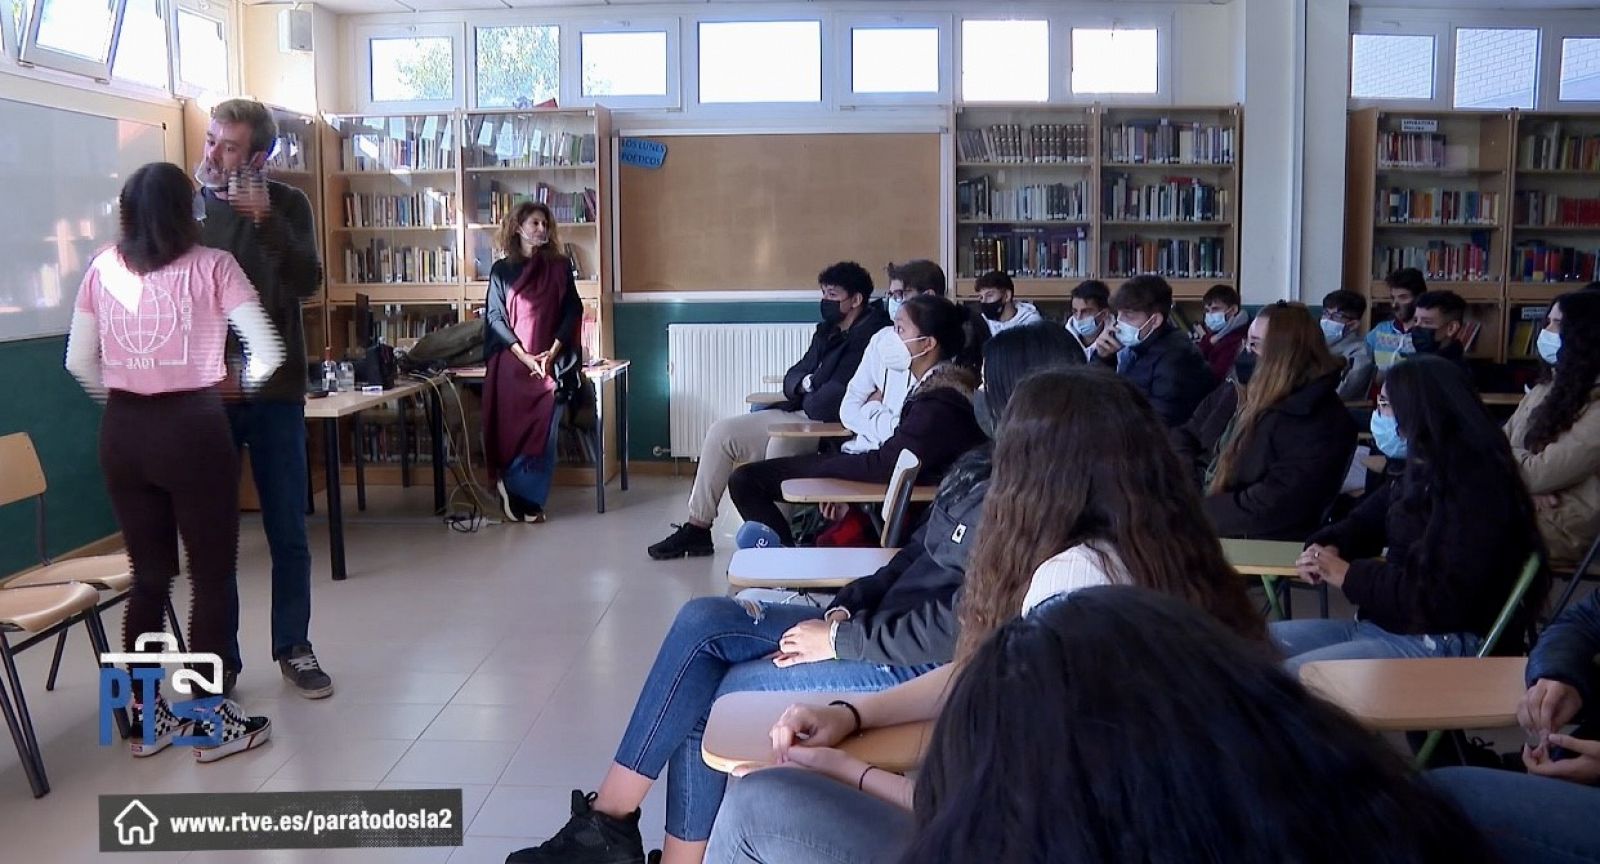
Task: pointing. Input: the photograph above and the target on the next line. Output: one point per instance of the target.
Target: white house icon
(136, 825)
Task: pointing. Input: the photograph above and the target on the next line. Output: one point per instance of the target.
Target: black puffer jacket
(905, 614)
(1168, 369)
(830, 361)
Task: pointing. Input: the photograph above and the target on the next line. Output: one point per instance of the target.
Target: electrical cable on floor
(466, 481)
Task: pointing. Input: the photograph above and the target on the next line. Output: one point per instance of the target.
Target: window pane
(412, 70)
(81, 28)
(19, 19)
(894, 60)
(1005, 61)
(1113, 61)
(1580, 69)
(517, 63)
(142, 46)
(202, 52)
(761, 61)
(625, 64)
(1391, 67)
(1496, 68)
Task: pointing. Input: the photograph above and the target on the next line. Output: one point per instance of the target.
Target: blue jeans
(797, 816)
(1312, 639)
(718, 645)
(1528, 819)
(529, 478)
(275, 432)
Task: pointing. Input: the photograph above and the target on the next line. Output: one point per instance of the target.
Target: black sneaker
(511, 504)
(689, 541)
(167, 726)
(589, 837)
(240, 732)
(301, 669)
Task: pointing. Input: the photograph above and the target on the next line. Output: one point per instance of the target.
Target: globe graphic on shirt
(148, 327)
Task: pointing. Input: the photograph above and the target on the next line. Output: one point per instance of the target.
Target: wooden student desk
(763, 398)
(333, 406)
(822, 490)
(737, 733)
(810, 568)
(1511, 400)
(1422, 694)
(615, 371)
(808, 429)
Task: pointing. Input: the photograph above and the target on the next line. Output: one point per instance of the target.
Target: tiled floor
(502, 663)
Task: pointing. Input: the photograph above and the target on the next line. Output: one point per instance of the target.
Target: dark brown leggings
(171, 468)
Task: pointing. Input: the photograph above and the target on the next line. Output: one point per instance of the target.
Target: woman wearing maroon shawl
(532, 325)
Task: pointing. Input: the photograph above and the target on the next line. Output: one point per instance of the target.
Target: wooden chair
(826, 569)
(38, 613)
(22, 477)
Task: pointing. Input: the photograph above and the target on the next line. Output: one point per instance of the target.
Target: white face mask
(897, 356)
(1549, 346)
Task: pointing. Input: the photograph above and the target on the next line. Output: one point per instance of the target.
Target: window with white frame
(1391, 66)
(894, 59)
(412, 68)
(1005, 60)
(516, 63)
(141, 56)
(14, 25)
(1496, 68)
(623, 63)
(202, 50)
(71, 35)
(760, 61)
(1580, 70)
(1114, 60)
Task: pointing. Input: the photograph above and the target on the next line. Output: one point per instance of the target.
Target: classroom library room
(792, 431)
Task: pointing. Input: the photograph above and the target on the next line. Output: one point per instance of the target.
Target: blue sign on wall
(643, 153)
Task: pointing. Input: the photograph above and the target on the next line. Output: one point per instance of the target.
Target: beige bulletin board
(768, 212)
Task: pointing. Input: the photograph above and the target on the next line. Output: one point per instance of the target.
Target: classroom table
(808, 429)
(808, 568)
(772, 379)
(764, 399)
(329, 409)
(1502, 399)
(737, 733)
(822, 490)
(1269, 560)
(1419, 694)
(616, 372)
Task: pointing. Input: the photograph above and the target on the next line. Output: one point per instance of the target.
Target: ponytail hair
(957, 330)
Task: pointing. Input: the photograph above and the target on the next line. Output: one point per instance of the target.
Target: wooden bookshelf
(431, 190)
(1495, 181)
(1096, 192)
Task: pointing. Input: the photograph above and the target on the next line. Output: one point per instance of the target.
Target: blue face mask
(1549, 346)
(1332, 331)
(893, 306)
(1386, 434)
(1215, 321)
(1128, 334)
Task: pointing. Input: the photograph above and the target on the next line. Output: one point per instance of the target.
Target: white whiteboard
(60, 174)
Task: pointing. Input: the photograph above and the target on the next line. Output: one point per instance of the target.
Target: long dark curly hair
(1577, 368)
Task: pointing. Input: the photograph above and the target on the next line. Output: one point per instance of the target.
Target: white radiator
(711, 368)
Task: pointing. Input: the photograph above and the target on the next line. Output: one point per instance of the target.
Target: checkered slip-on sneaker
(167, 724)
(240, 732)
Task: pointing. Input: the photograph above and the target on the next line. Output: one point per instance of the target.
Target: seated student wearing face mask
(876, 393)
(1342, 312)
(997, 301)
(1223, 331)
(1439, 326)
(813, 390)
(1091, 313)
(1271, 444)
(1156, 357)
(1390, 339)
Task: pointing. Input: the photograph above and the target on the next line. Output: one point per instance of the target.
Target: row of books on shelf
(401, 143)
(1551, 149)
(523, 141)
(1540, 262)
(1014, 142)
(1525, 334)
(395, 324)
(1193, 258)
(1543, 208)
(496, 202)
(485, 253)
(1163, 142)
(381, 443)
(1436, 206)
(379, 261)
(1033, 253)
(1174, 199)
(1451, 261)
(423, 208)
(288, 153)
(1413, 150)
(983, 198)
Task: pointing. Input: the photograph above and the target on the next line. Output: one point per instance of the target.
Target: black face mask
(1244, 366)
(1406, 311)
(1425, 340)
(831, 313)
(992, 310)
